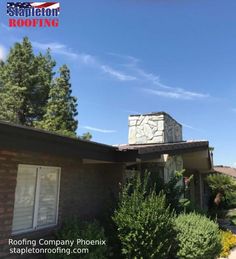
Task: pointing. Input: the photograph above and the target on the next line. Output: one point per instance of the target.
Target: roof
(17, 137)
(26, 138)
(166, 147)
(152, 151)
(231, 171)
(21, 128)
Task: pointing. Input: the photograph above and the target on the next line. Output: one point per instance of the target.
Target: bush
(223, 188)
(198, 237)
(144, 223)
(75, 229)
(228, 241)
(231, 216)
(230, 200)
(175, 189)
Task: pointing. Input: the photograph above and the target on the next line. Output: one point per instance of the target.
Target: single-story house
(46, 177)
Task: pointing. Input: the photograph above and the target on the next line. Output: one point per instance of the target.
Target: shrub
(231, 216)
(230, 200)
(228, 241)
(198, 237)
(223, 189)
(75, 229)
(175, 189)
(144, 223)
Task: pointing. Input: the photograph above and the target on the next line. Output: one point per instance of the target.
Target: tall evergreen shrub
(144, 223)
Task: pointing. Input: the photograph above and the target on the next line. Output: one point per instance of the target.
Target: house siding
(86, 190)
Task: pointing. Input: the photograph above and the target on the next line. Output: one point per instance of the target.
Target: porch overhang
(199, 160)
(150, 152)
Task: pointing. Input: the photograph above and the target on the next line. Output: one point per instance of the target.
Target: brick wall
(86, 189)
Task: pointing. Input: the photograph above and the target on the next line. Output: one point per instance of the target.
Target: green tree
(86, 136)
(25, 82)
(29, 94)
(38, 96)
(61, 110)
(17, 76)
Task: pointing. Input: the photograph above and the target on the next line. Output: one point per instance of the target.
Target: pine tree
(29, 94)
(61, 107)
(25, 83)
(37, 99)
(17, 76)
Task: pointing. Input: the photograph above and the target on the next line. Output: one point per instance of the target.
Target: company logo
(33, 14)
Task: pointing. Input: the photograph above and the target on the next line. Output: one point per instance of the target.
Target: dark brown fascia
(174, 148)
(23, 138)
(146, 153)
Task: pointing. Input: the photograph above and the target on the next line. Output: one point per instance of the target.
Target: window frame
(36, 200)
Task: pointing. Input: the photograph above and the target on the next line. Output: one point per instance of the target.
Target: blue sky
(143, 56)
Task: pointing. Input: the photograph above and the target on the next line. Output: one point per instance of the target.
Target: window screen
(36, 197)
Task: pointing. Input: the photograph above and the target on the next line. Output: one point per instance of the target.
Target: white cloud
(56, 48)
(166, 90)
(3, 52)
(154, 79)
(187, 126)
(98, 129)
(117, 74)
(84, 58)
(62, 49)
(133, 71)
(190, 127)
(130, 60)
(176, 93)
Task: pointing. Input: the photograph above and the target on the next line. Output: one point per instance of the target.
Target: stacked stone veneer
(172, 164)
(154, 128)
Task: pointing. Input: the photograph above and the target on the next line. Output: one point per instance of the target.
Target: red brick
(3, 241)
(84, 188)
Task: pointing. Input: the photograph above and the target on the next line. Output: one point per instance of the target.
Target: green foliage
(231, 216)
(25, 81)
(31, 95)
(86, 136)
(174, 191)
(144, 223)
(223, 191)
(44, 77)
(230, 200)
(221, 183)
(198, 237)
(61, 107)
(75, 229)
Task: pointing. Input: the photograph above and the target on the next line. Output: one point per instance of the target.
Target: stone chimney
(152, 128)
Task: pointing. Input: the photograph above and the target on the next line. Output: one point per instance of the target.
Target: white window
(36, 198)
